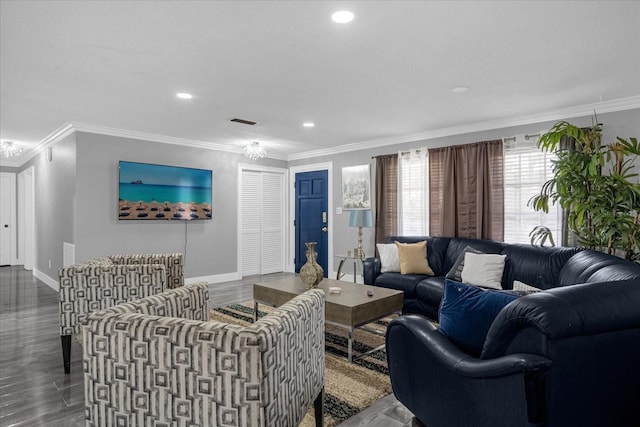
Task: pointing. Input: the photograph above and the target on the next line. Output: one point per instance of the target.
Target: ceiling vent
(244, 122)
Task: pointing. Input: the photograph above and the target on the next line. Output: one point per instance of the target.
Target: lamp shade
(361, 218)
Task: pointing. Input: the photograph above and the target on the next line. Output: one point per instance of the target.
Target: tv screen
(158, 192)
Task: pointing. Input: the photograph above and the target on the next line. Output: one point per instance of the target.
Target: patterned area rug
(349, 387)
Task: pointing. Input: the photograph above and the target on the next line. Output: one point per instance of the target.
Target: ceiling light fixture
(254, 150)
(459, 89)
(184, 95)
(308, 124)
(10, 149)
(342, 16)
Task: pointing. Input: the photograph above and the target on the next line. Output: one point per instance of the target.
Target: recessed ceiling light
(184, 95)
(342, 16)
(459, 89)
(308, 124)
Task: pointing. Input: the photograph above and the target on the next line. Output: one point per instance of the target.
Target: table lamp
(360, 218)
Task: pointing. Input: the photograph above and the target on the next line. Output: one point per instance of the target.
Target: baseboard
(52, 283)
(217, 278)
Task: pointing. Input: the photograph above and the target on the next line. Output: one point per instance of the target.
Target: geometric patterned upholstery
(102, 282)
(159, 361)
(174, 264)
(88, 288)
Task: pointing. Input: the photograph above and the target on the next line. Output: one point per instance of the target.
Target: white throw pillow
(483, 269)
(519, 286)
(388, 257)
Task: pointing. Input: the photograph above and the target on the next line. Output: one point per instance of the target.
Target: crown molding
(69, 128)
(144, 136)
(622, 104)
(56, 136)
(123, 133)
(72, 127)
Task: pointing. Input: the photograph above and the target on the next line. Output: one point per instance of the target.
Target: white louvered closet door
(262, 222)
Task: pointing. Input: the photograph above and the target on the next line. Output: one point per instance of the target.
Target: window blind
(526, 169)
(414, 193)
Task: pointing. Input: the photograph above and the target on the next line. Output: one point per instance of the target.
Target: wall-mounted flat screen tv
(158, 192)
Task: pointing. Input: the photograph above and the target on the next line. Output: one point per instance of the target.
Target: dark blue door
(311, 216)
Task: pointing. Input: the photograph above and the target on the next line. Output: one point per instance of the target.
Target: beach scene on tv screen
(151, 192)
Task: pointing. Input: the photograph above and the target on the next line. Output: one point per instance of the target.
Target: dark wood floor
(34, 391)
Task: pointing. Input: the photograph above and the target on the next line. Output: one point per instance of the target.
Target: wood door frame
(258, 168)
(328, 166)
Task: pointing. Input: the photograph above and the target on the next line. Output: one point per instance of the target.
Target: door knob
(325, 229)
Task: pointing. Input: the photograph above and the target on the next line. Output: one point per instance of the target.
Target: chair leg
(318, 406)
(66, 352)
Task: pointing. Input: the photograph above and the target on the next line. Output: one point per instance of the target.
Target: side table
(354, 259)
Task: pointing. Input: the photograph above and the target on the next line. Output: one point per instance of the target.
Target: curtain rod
(417, 150)
(526, 137)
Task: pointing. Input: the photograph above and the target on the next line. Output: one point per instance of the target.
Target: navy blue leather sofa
(566, 356)
(544, 268)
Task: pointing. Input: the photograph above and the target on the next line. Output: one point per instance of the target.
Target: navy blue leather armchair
(568, 356)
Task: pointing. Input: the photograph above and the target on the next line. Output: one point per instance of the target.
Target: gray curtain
(386, 197)
(466, 191)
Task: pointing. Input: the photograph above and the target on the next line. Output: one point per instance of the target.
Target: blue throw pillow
(466, 314)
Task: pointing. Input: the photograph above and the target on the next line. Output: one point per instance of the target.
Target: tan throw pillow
(413, 258)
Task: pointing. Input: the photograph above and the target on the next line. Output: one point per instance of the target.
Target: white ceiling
(386, 76)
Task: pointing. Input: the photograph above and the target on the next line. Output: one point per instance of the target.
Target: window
(526, 168)
(413, 199)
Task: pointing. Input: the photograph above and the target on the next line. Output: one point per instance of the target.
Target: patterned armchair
(107, 281)
(159, 361)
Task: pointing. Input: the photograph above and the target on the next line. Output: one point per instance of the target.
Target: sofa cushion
(413, 258)
(401, 282)
(467, 312)
(483, 269)
(430, 291)
(389, 261)
(455, 273)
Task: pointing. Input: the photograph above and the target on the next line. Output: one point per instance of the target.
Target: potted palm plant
(597, 186)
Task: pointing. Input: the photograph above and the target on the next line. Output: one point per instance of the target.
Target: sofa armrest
(425, 335)
(173, 262)
(371, 270)
(86, 288)
(570, 311)
(293, 335)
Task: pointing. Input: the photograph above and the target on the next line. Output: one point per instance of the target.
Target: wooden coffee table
(351, 308)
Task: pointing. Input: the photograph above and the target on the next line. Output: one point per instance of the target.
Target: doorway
(8, 223)
(311, 213)
(262, 201)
